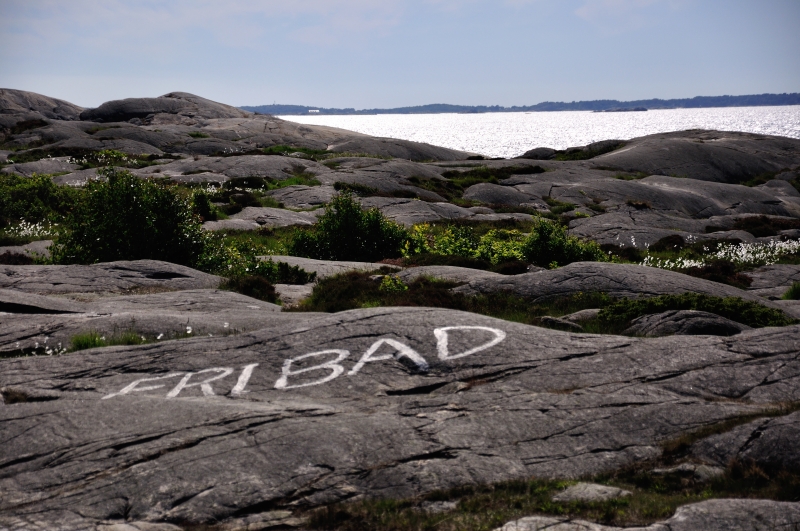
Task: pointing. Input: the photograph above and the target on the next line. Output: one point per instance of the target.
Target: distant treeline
(754, 100)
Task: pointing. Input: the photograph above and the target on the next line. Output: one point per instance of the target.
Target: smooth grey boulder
(617, 280)
(384, 402)
(22, 102)
(104, 278)
(266, 166)
(411, 211)
(450, 273)
(327, 268)
(231, 224)
(38, 248)
(293, 294)
(180, 103)
(13, 301)
(773, 280)
(37, 323)
(726, 157)
(590, 492)
(189, 300)
(303, 197)
(50, 165)
(697, 472)
(540, 153)
(273, 217)
(709, 515)
(685, 323)
(582, 315)
(401, 149)
(769, 443)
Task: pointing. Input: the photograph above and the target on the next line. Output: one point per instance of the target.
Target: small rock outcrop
(590, 492)
(684, 323)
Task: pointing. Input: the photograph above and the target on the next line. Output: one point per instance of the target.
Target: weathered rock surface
(327, 268)
(684, 323)
(451, 273)
(39, 248)
(23, 102)
(711, 515)
(105, 278)
(410, 211)
(302, 197)
(38, 322)
(283, 421)
(292, 294)
(618, 280)
(178, 103)
(692, 470)
(727, 157)
(590, 492)
(773, 280)
(251, 218)
(769, 443)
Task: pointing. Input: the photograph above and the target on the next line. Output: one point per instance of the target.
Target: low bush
(128, 218)
(93, 339)
(793, 293)
(34, 199)
(254, 286)
(736, 309)
(722, 271)
(8, 258)
(353, 290)
(347, 232)
(549, 243)
(761, 226)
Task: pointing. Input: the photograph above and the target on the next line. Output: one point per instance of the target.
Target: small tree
(346, 232)
(550, 244)
(128, 218)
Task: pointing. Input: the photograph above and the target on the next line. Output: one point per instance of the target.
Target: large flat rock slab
(34, 323)
(253, 218)
(710, 515)
(772, 443)
(104, 278)
(385, 402)
(327, 268)
(730, 157)
(617, 280)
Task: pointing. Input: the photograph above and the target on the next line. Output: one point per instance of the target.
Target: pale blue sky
(365, 53)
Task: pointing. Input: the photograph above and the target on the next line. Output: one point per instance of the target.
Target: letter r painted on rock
(133, 386)
(205, 386)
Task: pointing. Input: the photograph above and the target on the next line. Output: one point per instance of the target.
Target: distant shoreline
(698, 102)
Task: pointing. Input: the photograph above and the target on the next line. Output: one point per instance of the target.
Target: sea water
(511, 134)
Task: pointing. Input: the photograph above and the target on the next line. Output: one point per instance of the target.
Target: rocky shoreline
(236, 413)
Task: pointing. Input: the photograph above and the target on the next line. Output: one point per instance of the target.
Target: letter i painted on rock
(204, 385)
(247, 372)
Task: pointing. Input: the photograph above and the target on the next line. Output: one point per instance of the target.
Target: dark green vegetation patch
(742, 311)
(346, 232)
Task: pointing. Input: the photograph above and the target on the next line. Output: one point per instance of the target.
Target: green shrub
(793, 293)
(34, 199)
(254, 286)
(128, 218)
(549, 243)
(202, 207)
(346, 232)
(734, 308)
